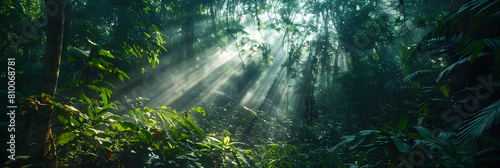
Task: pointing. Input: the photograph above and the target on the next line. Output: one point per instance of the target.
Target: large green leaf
(424, 132)
(91, 114)
(64, 138)
(402, 123)
(444, 90)
(364, 137)
(65, 116)
(124, 126)
(195, 126)
(226, 140)
(145, 135)
(402, 147)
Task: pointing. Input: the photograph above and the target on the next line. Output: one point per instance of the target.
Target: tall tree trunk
(40, 132)
(188, 33)
(214, 25)
(336, 65)
(67, 20)
(123, 27)
(257, 14)
(325, 60)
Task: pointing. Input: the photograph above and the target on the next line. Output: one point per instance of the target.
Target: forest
(250, 83)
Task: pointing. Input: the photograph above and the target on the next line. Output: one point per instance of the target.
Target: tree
(40, 131)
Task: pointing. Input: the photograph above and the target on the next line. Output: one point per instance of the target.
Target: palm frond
(480, 122)
(441, 44)
(456, 64)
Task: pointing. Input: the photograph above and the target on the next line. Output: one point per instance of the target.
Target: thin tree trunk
(67, 20)
(335, 66)
(188, 29)
(257, 14)
(40, 132)
(325, 60)
(214, 25)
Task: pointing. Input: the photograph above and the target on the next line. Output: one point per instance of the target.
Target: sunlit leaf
(64, 138)
(106, 53)
(195, 126)
(145, 135)
(104, 98)
(65, 117)
(91, 114)
(154, 27)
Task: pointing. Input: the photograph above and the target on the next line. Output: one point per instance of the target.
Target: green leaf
(65, 117)
(402, 147)
(138, 23)
(106, 107)
(182, 122)
(83, 97)
(494, 44)
(339, 165)
(63, 90)
(106, 53)
(104, 98)
(145, 136)
(204, 145)
(164, 49)
(91, 114)
(154, 27)
(364, 137)
(75, 122)
(98, 116)
(226, 140)
(124, 75)
(196, 128)
(113, 86)
(92, 43)
(490, 140)
(424, 132)
(124, 126)
(233, 148)
(174, 131)
(64, 138)
(477, 50)
(201, 111)
(444, 90)
(402, 123)
(360, 159)
(480, 122)
(137, 49)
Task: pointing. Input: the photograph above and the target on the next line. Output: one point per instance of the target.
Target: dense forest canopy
(250, 83)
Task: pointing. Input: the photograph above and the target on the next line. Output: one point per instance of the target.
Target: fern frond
(480, 122)
(417, 73)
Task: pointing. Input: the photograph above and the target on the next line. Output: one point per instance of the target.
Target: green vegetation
(251, 83)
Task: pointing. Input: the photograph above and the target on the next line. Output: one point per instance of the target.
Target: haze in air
(250, 83)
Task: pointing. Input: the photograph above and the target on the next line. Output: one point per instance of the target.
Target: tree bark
(257, 14)
(188, 29)
(67, 20)
(214, 25)
(40, 133)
